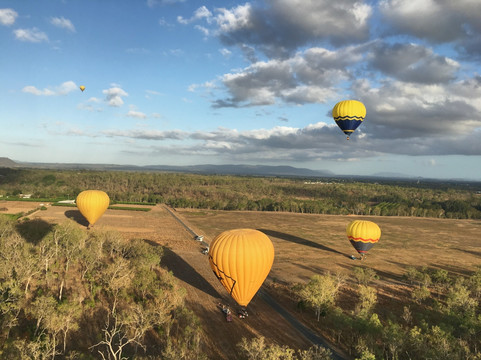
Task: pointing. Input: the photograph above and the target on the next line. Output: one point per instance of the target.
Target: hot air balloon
(82, 88)
(349, 114)
(92, 204)
(363, 235)
(241, 259)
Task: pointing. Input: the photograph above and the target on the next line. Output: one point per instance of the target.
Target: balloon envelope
(363, 235)
(241, 259)
(349, 114)
(92, 204)
(82, 88)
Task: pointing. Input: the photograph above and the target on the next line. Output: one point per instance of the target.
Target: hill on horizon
(228, 169)
(8, 163)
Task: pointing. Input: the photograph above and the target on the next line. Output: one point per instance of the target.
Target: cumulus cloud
(114, 96)
(400, 110)
(312, 142)
(62, 89)
(282, 26)
(30, 35)
(63, 23)
(448, 20)
(412, 63)
(308, 77)
(8, 16)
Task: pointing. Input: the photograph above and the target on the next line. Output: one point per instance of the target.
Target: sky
(184, 82)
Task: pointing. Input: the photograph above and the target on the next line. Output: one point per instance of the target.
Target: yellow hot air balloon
(349, 114)
(241, 259)
(82, 88)
(363, 235)
(92, 204)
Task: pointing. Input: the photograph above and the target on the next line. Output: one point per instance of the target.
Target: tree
(367, 300)
(364, 276)
(320, 292)
(315, 352)
(257, 349)
(117, 334)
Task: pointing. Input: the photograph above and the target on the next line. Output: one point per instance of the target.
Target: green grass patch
(134, 203)
(129, 208)
(14, 198)
(13, 216)
(63, 204)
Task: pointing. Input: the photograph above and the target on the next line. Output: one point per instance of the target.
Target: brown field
(304, 245)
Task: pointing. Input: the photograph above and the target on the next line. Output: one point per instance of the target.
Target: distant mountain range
(241, 169)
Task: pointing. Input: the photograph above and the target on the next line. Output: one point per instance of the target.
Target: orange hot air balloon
(241, 259)
(82, 88)
(92, 204)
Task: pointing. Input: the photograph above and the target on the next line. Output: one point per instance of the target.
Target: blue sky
(227, 82)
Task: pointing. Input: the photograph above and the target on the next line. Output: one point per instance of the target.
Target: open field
(304, 245)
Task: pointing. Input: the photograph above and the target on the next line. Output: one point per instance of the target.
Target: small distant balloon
(348, 115)
(82, 88)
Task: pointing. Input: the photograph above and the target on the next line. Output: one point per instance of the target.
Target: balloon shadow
(299, 240)
(76, 216)
(34, 230)
(472, 252)
(183, 271)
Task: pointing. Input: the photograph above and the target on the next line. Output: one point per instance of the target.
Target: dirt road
(263, 295)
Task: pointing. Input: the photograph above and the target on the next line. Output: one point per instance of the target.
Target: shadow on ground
(183, 271)
(34, 230)
(299, 240)
(76, 216)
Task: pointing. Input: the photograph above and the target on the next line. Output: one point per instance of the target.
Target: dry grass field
(304, 245)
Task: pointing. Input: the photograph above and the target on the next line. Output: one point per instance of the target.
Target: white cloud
(30, 35)
(203, 30)
(63, 23)
(8, 16)
(200, 13)
(62, 89)
(136, 114)
(33, 90)
(114, 95)
(225, 52)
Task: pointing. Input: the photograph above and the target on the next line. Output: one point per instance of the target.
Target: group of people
(242, 313)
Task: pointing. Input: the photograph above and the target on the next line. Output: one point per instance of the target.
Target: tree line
(222, 192)
(72, 294)
(439, 319)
